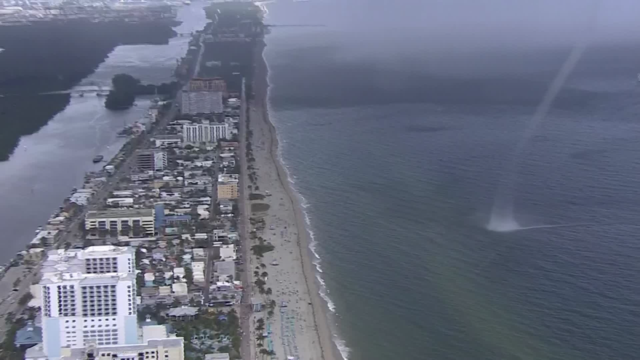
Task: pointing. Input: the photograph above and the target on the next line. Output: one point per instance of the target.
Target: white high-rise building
(92, 260)
(205, 132)
(88, 297)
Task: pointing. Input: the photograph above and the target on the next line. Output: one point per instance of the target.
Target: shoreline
(325, 337)
(22, 269)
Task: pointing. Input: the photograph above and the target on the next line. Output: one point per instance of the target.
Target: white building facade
(121, 219)
(205, 132)
(92, 260)
(88, 297)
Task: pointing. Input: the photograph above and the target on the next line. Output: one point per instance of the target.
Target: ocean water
(46, 165)
(398, 147)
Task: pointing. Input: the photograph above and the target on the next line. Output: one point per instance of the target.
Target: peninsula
(193, 224)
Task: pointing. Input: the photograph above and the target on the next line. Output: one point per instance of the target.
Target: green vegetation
(24, 299)
(212, 325)
(8, 350)
(260, 207)
(262, 248)
(254, 196)
(35, 61)
(188, 274)
(126, 88)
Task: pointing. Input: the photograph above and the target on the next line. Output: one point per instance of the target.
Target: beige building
(227, 191)
(121, 219)
(156, 349)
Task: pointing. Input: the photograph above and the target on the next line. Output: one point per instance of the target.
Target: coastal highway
(243, 233)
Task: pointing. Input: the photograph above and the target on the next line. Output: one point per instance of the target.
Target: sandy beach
(299, 325)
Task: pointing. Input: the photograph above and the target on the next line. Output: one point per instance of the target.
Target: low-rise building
(198, 268)
(167, 140)
(228, 178)
(180, 289)
(219, 356)
(226, 206)
(165, 349)
(139, 221)
(151, 160)
(224, 270)
(227, 191)
(30, 335)
(45, 237)
(121, 202)
(228, 252)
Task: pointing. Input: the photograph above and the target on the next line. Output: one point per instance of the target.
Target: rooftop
(29, 334)
(84, 279)
(216, 357)
(80, 353)
(168, 137)
(119, 213)
(183, 311)
(228, 178)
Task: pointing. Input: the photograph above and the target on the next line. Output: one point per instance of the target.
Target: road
(208, 272)
(73, 232)
(243, 233)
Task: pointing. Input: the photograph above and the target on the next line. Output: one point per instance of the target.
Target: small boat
(98, 158)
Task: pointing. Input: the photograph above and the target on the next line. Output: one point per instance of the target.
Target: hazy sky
(551, 20)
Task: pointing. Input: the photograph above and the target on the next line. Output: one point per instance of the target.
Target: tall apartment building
(208, 84)
(137, 220)
(93, 260)
(201, 102)
(151, 160)
(205, 132)
(86, 299)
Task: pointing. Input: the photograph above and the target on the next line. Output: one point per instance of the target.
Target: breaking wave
(304, 204)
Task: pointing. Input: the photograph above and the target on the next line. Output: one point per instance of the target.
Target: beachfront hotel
(88, 297)
(204, 133)
(121, 219)
(92, 260)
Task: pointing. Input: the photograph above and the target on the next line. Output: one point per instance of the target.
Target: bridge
(83, 90)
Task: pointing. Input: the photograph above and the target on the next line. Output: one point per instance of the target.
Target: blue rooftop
(30, 334)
